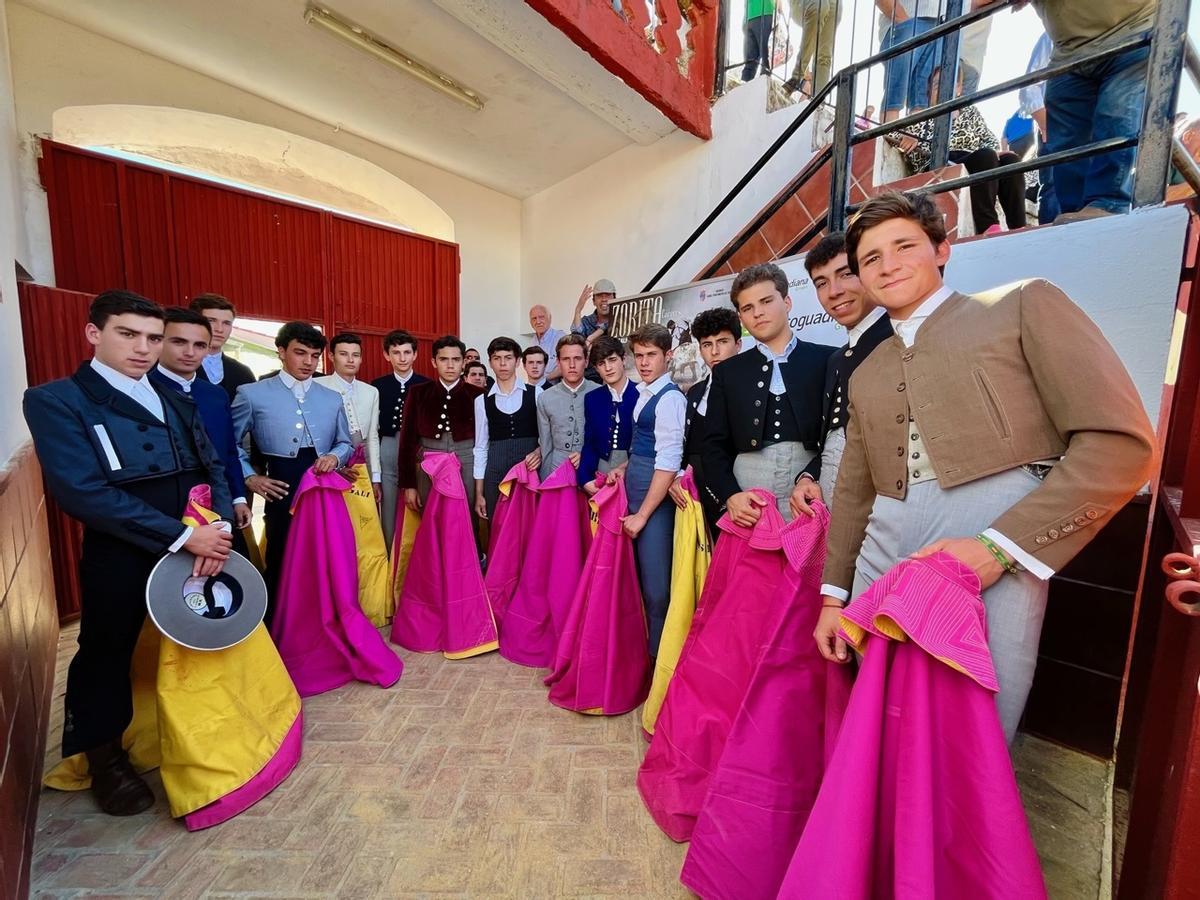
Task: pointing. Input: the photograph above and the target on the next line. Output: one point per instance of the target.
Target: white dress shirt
(854, 335)
(142, 391)
(508, 404)
(298, 388)
(214, 367)
(669, 418)
(907, 331)
(185, 383)
(361, 403)
(778, 359)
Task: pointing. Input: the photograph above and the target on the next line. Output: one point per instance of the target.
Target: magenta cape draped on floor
(763, 787)
(443, 605)
(513, 525)
(919, 800)
(535, 617)
(602, 663)
(321, 632)
(733, 618)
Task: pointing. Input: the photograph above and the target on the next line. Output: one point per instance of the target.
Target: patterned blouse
(968, 131)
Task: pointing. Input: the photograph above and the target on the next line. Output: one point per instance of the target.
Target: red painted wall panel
(170, 236)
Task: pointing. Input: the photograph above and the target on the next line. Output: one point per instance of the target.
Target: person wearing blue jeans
(655, 455)
(760, 18)
(1094, 102)
(906, 77)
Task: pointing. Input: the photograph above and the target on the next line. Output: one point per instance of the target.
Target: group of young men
(1006, 433)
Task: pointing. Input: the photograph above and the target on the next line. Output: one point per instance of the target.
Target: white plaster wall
(57, 65)
(622, 217)
(13, 249)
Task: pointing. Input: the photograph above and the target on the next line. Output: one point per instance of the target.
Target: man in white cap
(602, 293)
(547, 337)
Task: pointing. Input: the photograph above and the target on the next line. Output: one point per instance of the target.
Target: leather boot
(118, 789)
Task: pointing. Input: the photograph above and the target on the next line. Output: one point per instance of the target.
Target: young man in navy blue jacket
(120, 456)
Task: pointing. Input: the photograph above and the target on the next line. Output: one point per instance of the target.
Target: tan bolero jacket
(996, 381)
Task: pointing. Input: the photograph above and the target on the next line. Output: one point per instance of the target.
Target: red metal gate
(115, 223)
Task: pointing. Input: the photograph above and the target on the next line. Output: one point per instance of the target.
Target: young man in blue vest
(655, 454)
(121, 455)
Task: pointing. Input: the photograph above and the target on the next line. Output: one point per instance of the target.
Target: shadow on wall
(255, 156)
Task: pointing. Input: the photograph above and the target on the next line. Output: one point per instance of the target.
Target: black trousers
(1010, 189)
(112, 574)
(277, 515)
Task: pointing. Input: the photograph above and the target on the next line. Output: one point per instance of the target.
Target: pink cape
(602, 663)
(733, 618)
(535, 618)
(323, 636)
(513, 524)
(919, 799)
(443, 605)
(767, 779)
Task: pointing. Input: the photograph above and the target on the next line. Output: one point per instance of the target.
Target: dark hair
(570, 340)
(651, 334)
(302, 332)
(889, 205)
(398, 338)
(500, 344)
(603, 347)
(118, 303)
(345, 337)
(534, 350)
(827, 249)
(757, 274)
(180, 316)
(448, 340)
(201, 302)
(474, 364)
(712, 322)
(471, 350)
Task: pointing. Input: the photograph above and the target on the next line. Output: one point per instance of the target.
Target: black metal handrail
(1170, 50)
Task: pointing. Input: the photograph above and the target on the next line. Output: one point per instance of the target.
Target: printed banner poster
(676, 307)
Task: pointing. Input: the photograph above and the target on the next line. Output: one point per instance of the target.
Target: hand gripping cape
(512, 528)
(767, 780)
(223, 726)
(443, 606)
(321, 632)
(732, 620)
(535, 617)
(689, 567)
(919, 800)
(375, 597)
(602, 662)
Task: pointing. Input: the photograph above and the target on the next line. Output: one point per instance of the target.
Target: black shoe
(118, 789)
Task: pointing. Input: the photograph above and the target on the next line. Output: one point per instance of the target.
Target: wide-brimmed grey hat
(205, 613)
(604, 286)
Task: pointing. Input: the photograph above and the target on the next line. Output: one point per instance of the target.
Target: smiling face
(602, 301)
(764, 312)
(128, 343)
(184, 347)
(899, 265)
(840, 293)
(299, 360)
(346, 360)
(718, 347)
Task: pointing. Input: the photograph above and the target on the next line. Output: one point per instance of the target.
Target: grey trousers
(389, 451)
(1016, 604)
(831, 459)
(773, 468)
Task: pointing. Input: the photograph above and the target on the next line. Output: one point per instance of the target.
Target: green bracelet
(1001, 557)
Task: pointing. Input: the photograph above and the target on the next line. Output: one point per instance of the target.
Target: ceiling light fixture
(398, 59)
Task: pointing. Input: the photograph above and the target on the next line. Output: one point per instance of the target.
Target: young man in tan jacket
(1006, 433)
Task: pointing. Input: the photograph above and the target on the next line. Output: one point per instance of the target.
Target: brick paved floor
(460, 781)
